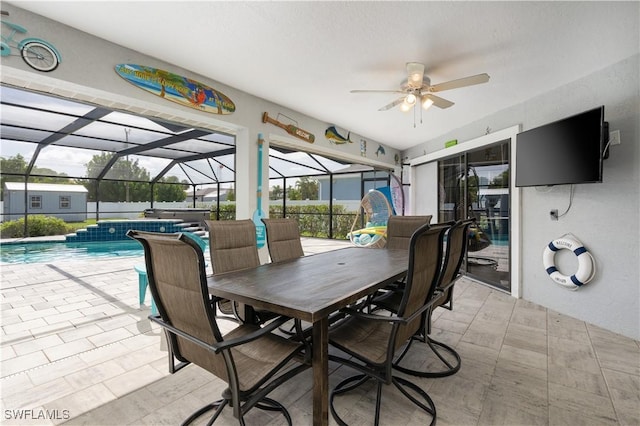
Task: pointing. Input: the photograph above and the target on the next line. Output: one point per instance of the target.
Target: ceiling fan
(417, 90)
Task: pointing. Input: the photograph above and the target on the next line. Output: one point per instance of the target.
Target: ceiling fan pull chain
(414, 116)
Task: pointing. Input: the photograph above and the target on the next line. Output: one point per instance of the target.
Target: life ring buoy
(586, 263)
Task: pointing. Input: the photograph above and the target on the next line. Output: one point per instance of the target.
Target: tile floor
(77, 349)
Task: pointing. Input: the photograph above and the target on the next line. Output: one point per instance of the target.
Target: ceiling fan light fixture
(426, 103)
(416, 72)
(410, 99)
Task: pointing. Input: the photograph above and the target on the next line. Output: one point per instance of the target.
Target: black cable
(569, 206)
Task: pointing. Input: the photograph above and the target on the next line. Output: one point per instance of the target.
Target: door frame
(515, 208)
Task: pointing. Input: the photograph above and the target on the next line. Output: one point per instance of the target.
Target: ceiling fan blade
(415, 74)
(376, 91)
(392, 104)
(461, 82)
(438, 101)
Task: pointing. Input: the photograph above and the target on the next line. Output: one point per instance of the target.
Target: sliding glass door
(476, 184)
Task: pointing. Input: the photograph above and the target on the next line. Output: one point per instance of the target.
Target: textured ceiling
(307, 56)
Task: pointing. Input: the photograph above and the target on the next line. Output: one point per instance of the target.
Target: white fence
(136, 210)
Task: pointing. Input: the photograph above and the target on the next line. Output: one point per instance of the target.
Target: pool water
(44, 252)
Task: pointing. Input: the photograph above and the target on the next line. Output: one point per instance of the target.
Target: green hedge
(37, 226)
(227, 212)
(313, 219)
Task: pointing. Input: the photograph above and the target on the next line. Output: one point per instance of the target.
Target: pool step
(194, 228)
(112, 230)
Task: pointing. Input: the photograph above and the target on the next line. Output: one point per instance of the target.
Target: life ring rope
(586, 263)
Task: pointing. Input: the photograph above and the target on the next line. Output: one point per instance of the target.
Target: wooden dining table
(311, 288)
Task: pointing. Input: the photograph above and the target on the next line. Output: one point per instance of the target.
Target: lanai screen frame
(48, 121)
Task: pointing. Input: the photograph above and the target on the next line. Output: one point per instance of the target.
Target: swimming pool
(44, 252)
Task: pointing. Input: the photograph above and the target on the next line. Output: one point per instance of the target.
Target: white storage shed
(68, 202)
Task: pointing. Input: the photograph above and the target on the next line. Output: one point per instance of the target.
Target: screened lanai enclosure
(76, 161)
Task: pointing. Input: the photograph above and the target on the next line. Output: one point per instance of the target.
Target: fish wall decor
(380, 150)
(334, 137)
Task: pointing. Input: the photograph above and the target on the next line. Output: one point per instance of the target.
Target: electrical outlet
(553, 214)
(614, 138)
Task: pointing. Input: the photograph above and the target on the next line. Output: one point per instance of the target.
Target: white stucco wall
(603, 216)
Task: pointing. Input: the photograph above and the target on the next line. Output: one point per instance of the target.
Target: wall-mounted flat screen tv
(567, 151)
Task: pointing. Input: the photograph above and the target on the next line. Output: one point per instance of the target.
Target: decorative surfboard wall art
(177, 88)
(334, 137)
(290, 128)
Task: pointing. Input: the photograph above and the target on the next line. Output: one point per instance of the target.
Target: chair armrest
(227, 344)
(373, 317)
(158, 320)
(268, 328)
(403, 320)
(450, 284)
(420, 311)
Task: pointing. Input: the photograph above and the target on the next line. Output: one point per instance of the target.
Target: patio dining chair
(449, 361)
(401, 228)
(250, 359)
(457, 247)
(399, 232)
(233, 247)
(370, 341)
(283, 239)
(141, 269)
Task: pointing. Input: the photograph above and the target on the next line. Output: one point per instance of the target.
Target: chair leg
(290, 332)
(218, 406)
(171, 357)
(342, 388)
(269, 404)
(429, 407)
(446, 354)
(378, 399)
(422, 400)
(223, 402)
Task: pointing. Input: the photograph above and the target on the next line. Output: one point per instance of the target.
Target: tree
(275, 193)
(18, 165)
(231, 194)
(293, 193)
(131, 181)
(500, 181)
(168, 190)
(308, 188)
(15, 164)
